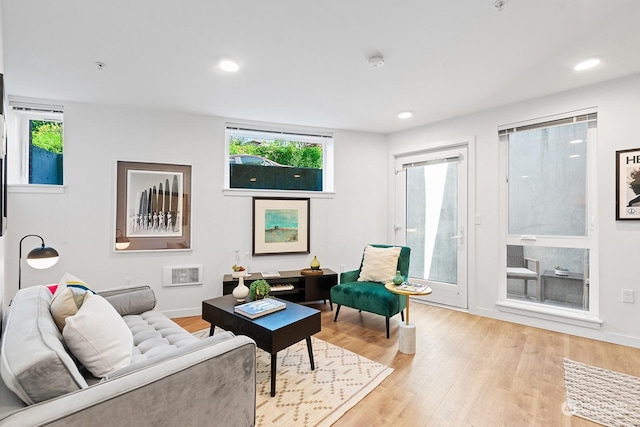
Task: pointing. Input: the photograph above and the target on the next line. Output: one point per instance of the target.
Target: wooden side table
(407, 333)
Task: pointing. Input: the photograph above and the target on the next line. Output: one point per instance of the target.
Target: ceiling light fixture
(375, 61)
(229, 65)
(405, 114)
(585, 65)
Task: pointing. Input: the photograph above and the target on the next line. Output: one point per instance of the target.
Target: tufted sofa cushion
(154, 334)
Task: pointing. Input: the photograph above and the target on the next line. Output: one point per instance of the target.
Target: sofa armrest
(349, 276)
(213, 383)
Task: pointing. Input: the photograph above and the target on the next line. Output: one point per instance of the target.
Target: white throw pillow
(98, 337)
(379, 264)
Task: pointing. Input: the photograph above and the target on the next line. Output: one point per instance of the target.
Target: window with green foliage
(268, 160)
(36, 145)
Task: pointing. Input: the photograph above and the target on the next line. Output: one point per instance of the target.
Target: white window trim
(314, 136)
(18, 115)
(590, 318)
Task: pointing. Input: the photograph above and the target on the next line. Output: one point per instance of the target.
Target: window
(261, 159)
(36, 144)
(550, 209)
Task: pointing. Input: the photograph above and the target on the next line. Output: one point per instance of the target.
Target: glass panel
(432, 221)
(292, 165)
(548, 181)
(553, 276)
(45, 152)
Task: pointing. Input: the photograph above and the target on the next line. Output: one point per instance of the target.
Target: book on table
(255, 309)
(412, 287)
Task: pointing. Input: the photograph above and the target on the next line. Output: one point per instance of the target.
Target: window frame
(19, 115)
(312, 136)
(589, 317)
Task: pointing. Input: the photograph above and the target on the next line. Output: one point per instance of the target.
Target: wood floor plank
(468, 370)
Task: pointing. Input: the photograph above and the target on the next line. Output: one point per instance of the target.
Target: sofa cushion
(379, 264)
(69, 280)
(34, 363)
(98, 337)
(66, 303)
(155, 334)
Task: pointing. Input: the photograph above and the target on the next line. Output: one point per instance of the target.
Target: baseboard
(187, 312)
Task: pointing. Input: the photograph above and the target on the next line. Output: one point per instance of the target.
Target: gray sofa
(173, 379)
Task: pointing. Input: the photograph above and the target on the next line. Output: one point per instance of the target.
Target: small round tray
(308, 271)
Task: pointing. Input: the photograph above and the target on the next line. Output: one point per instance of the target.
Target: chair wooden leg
(386, 318)
(335, 319)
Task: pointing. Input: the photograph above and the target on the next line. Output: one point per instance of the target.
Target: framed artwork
(628, 184)
(280, 226)
(153, 207)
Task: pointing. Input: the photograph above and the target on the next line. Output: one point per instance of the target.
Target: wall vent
(182, 276)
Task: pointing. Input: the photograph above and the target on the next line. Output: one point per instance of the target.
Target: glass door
(431, 219)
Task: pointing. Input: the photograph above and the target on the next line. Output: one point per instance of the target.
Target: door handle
(459, 237)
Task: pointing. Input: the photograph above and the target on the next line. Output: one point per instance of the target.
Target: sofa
(171, 377)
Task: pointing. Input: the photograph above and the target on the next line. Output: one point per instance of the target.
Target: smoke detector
(375, 61)
(499, 4)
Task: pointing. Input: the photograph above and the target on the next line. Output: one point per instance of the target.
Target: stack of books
(255, 309)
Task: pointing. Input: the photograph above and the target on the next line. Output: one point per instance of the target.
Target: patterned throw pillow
(68, 298)
(379, 264)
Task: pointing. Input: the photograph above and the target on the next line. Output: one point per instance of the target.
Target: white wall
(79, 223)
(618, 104)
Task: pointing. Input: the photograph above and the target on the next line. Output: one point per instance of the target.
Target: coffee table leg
(274, 362)
(313, 365)
(211, 329)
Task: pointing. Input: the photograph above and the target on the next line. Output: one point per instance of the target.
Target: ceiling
(304, 62)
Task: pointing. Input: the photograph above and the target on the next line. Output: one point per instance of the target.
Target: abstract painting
(280, 226)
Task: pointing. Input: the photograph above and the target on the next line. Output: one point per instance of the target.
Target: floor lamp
(40, 257)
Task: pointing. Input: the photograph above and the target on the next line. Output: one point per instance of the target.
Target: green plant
(259, 289)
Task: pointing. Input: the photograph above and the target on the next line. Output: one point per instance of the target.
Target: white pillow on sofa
(98, 337)
(379, 264)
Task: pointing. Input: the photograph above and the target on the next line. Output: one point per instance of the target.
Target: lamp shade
(42, 257)
(121, 241)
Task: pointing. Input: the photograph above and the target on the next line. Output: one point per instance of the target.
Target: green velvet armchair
(371, 296)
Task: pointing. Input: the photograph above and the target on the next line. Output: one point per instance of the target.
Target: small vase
(241, 291)
(397, 279)
(315, 264)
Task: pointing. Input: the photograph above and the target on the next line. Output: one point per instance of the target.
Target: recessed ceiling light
(405, 114)
(585, 65)
(229, 65)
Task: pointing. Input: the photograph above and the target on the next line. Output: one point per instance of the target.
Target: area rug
(312, 398)
(602, 396)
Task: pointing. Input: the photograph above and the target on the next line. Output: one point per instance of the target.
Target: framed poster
(628, 184)
(153, 207)
(280, 226)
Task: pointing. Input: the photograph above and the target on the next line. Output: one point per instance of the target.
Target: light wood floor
(467, 371)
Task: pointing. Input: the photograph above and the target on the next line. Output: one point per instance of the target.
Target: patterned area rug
(312, 398)
(602, 396)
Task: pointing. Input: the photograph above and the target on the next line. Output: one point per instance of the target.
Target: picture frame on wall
(153, 207)
(281, 225)
(628, 184)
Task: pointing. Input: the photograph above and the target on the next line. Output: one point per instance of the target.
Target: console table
(294, 286)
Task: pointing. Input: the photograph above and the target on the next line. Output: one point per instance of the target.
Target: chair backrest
(403, 259)
(515, 256)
